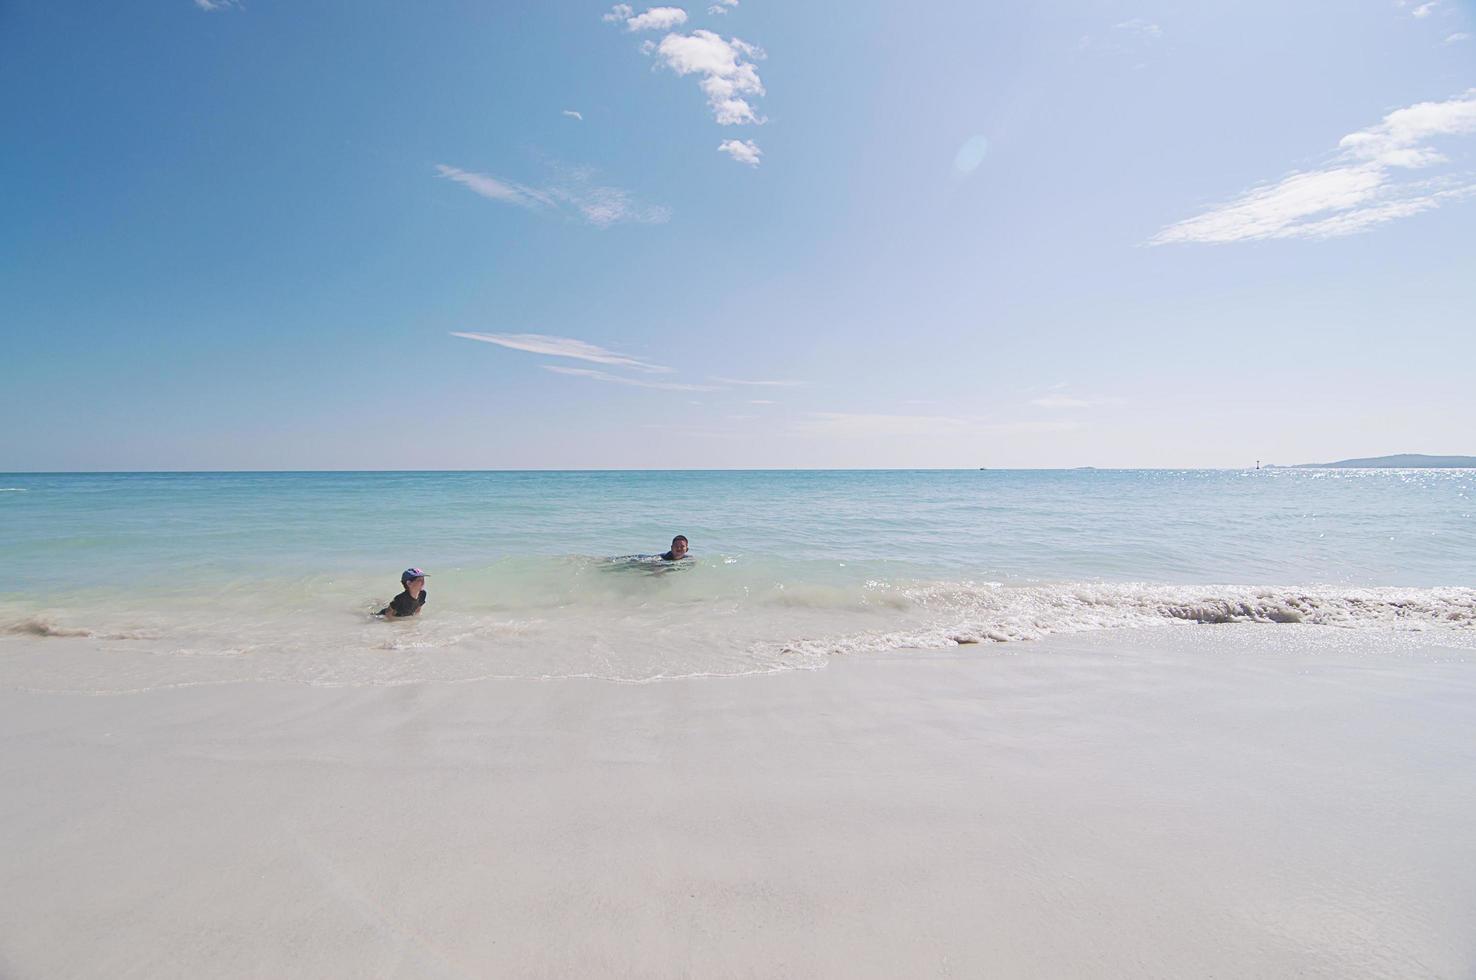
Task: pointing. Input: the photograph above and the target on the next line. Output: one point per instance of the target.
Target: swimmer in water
(409, 602)
(678, 549)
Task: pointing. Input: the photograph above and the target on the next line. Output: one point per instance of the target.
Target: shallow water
(153, 579)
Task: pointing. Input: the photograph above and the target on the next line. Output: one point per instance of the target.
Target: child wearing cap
(407, 603)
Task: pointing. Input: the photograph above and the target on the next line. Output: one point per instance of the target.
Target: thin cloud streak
(1062, 400)
(868, 425)
(495, 189)
(608, 378)
(757, 384)
(572, 195)
(573, 114)
(537, 343)
(1363, 186)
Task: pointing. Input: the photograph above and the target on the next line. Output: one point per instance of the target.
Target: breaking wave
(966, 613)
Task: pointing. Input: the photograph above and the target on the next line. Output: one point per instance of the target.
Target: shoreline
(1149, 802)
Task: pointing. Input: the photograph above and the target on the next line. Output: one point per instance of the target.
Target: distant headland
(1402, 461)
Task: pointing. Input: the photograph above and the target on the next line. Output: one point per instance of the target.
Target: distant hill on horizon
(1400, 461)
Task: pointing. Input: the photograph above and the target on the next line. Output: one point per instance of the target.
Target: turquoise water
(1363, 527)
(789, 566)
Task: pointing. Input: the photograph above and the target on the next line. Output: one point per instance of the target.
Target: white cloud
(744, 151)
(657, 19)
(537, 343)
(721, 7)
(216, 4)
(571, 193)
(617, 379)
(1423, 10)
(1458, 36)
(1362, 186)
(758, 384)
(762, 401)
(654, 19)
(727, 70)
(573, 114)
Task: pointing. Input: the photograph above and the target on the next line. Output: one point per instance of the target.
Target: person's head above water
(413, 579)
(678, 548)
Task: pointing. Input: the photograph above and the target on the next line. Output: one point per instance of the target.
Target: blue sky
(547, 235)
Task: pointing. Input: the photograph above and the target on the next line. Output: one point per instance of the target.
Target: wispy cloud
(1140, 29)
(1060, 401)
(757, 384)
(1129, 38)
(728, 75)
(1424, 9)
(868, 425)
(605, 376)
(1362, 186)
(217, 4)
(744, 151)
(1058, 397)
(571, 194)
(537, 343)
(1457, 37)
(497, 189)
(654, 19)
(762, 401)
(722, 6)
(573, 114)
(580, 350)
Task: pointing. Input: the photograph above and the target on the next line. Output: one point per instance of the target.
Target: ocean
(144, 580)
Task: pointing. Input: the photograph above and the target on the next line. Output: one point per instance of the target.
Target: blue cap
(410, 573)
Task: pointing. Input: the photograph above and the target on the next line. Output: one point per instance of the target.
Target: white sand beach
(1188, 802)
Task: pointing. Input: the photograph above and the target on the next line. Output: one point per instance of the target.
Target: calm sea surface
(284, 567)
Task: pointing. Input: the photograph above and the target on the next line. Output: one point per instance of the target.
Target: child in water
(407, 603)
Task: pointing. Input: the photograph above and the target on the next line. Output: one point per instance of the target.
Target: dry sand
(1175, 803)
